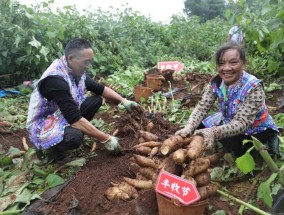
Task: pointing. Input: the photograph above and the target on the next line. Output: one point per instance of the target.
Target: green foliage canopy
(205, 9)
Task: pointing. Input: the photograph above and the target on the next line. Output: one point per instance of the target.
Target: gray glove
(186, 131)
(209, 137)
(128, 105)
(112, 145)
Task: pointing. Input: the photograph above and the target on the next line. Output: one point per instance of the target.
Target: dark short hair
(76, 45)
(227, 46)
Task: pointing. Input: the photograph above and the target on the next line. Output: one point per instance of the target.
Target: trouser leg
(235, 145)
(73, 137)
(72, 140)
(268, 138)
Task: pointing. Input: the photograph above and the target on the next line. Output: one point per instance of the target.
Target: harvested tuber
(145, 162)
(141, 140)
(148, 173)
(5, 124)
(150, 126)
(180, 156)
(116, 131)
(25, 145)
(214, 158)
(207, 191)
(127, 188)
(134, 167)
(143, 150)
(154, 151)
(141, 184)
(5, 131)
(195, 147)
(189, 178)
(170, 166)
(148, 136)
(150, 144)
(116, 193)
(94, 147)
(171, 144)
(196, 166)
(202, 179)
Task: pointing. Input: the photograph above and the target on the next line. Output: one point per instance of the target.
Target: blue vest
(229, 107)
(45, 122)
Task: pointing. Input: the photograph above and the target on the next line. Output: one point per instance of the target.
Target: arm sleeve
(201, 109)
(57, 89)
(93, 86)
(245, 115)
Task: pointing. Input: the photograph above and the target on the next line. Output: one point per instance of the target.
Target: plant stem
(255, 209)
(251, 189)
(265, 155)
(281, 175)
(171, 92)
(10, 212)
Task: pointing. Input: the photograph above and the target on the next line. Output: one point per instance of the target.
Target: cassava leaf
(78, 162)
(264, 192)
(245, 163)
(54, 180)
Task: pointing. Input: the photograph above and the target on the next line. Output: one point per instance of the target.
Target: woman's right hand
(186, 131)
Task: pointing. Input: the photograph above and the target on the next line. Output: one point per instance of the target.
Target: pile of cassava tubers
(177, 155)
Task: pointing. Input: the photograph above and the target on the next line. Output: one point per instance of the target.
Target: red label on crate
(176, 187)
(173, 65)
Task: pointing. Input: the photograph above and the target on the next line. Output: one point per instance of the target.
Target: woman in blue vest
(242, 111)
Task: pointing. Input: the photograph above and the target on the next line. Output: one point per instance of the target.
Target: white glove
(112, 145)
(186, 131)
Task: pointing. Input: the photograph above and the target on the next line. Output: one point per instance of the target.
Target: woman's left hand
(209, 137)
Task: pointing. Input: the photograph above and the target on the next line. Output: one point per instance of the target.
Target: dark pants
(235, 145)
(73, 137)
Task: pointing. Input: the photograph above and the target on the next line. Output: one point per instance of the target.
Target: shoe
(62, 161)
(40, 154)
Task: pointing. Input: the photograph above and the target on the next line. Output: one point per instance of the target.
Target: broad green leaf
(17, 41)
(4, 53)
(245, 163)
(30, 16)
(276, 188)
(266, 10)
(219, 212)
(51, 35)
(14, 151)
(54, 180)
(15, 181)
(38, 181)
(10, 199)
(44, 51)
(272, 87)
(217, 173)
(24, 197)
(35, 43)
(78, 162)
(263, 191)
(1, 188)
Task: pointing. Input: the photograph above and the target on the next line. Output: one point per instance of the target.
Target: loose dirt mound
(91, 183)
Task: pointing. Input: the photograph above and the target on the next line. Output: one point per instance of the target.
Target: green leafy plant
(279, 120)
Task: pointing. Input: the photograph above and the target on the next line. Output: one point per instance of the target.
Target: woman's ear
(244, 65)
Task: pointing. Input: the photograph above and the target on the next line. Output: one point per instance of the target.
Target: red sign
(176, 187)
(173, 65)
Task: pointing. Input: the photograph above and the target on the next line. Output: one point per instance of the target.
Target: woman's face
(230, 66)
